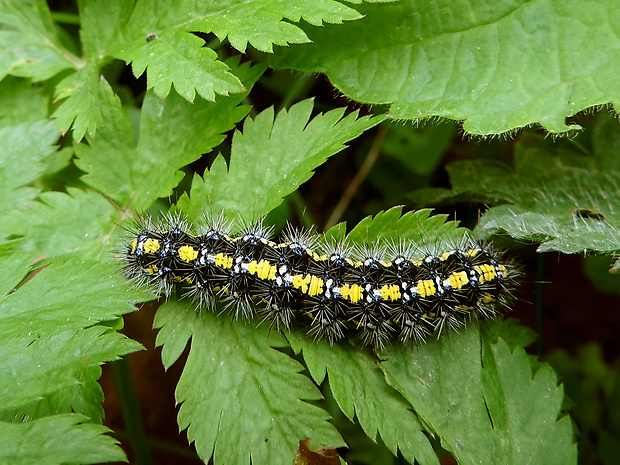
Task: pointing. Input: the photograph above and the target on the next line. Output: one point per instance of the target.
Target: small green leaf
(86, 94)
(59, 439)
(29, 45)
(359, 387)
(271, 159)
(242, 400)
(24, 150)
(420, 227)
(59, 224)
(496, 69)
(174, 56)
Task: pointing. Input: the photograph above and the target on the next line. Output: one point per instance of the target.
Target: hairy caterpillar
(380, 294)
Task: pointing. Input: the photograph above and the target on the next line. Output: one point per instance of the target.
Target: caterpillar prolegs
(401, 291)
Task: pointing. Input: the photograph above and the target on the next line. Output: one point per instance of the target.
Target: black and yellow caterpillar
(380, 294)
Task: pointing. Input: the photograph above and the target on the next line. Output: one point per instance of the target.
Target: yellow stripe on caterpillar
(187, 253)
(485, 272)
(301, 282)
(151, 245)
(457, 280)
(426, 288)
(316, 286)
(390, 292)
(223, 261)
(352, 292)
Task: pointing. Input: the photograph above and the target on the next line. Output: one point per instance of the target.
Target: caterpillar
(400, 291)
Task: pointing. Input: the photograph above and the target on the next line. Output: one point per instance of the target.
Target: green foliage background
(112, 107)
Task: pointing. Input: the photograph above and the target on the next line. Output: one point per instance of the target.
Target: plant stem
(354, 186)
(540, 272)
(128, 401)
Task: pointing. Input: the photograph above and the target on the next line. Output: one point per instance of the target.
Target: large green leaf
(498, 68)
(270, 159)
(242, 400)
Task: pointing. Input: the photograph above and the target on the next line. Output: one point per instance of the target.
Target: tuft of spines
(377, 293)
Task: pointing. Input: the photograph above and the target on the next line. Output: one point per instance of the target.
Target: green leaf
(157, 39)
(77, 223)
(86, 94)
(271, 159)
(489, 409)
(60, 439)
(496, 69)
(86, 91)
(100, 22)
(24, 150)
(21, 102)
(566, 200)
(359, 387)
(242, 400)
(173, 133)
(47, 342)
(174, 56)
(260, 22)
(29, 45)
(420, 227)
